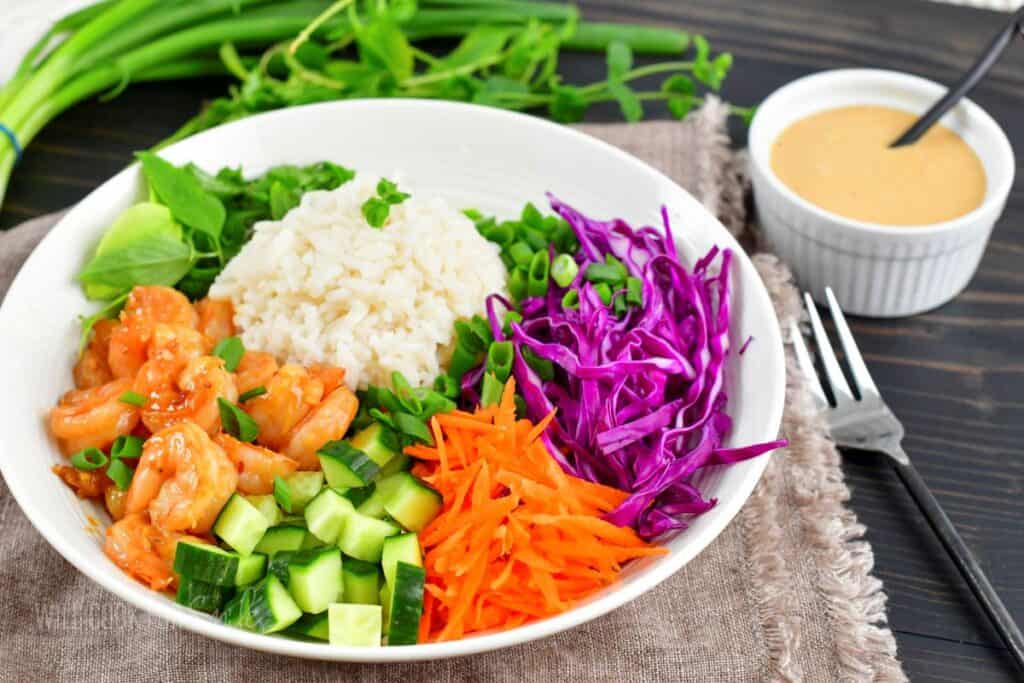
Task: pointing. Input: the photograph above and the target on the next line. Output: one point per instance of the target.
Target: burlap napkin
(785, 593)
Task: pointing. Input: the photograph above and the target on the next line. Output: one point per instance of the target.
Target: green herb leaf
(282, 200)
(111, 309)
(376, 212)
(126, 447)
(161, 259)
(678, 84)
(236, 421)
(133, 399)
(619, 58)
(283, 494)
(381, 43)
(251, 394)
(568, 105)
(89, 459)
(183, 195)
(482, 43)
(231, 351)
(629, 103)
(120, 474)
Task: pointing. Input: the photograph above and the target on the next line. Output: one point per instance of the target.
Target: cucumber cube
(326, 514)
(240, 525)
(355, 625)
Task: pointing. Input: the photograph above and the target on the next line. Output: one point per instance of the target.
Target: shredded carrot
(517, 538)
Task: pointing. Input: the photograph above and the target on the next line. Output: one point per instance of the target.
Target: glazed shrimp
(331, 375)
(143, 550)
(93, 417)
(291, 394)
(91, 484)
(188, 395)
(216, 318)
(257, 466)
(183, 480)
(92, 369)
(327, 422)
(176, 343)
(254, 370)
(145, 307)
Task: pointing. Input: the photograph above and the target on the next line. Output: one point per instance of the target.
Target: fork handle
(965, 562)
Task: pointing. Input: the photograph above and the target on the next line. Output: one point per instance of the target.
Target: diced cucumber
(294, 520)
(358, 625)
(295, 492)
(357, 496)
(202, 596)
(399, 463)
(385, 606)
(236, 612)
(278, 564)
(268, 506)
(312, 542)
(406, 605)
(314, 579)
(311, 626)
(374, 505)
(345, 466)
(379, 443)
(240, 525)
(401, 548)
(272, 608)
(363, 537)
(325, 515)
(361, 581)
(412, 503)
(210, 564)
(282, 537)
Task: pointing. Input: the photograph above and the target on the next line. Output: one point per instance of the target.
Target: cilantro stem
(307, 32)
(463, 70)
(640, 72)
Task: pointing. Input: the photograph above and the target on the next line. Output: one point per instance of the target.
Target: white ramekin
(875, 270)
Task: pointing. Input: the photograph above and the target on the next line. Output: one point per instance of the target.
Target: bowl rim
(149, 602)
(760, 151)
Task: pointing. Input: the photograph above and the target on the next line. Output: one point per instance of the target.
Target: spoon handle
(970, 79)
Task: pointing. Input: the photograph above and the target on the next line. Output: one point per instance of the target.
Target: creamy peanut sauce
(839, 160)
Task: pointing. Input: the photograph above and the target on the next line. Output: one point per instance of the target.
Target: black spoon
(991, 55)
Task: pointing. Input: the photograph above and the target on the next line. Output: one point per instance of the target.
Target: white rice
(322, 286)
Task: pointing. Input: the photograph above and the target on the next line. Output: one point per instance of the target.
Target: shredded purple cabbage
(641, 401)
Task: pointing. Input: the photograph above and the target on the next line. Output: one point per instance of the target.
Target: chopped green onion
(499, 360)
(469, 336)
(403, 390)
(236, 421)
(520, 406)
(482, 329)
(383, 418)
(252, 393)
(132, 398)
(537, 280)
(126, 447)
(604, 292)
(490, 392)
(619, 306)
(432, 403)
(89, 459)
(511, 317)
(120, 474)
(564, 270)
(535, 238)
(463, 360)
(413, 427)
(571, 300)
(544, 368)
(608, 273)
(634, 291)
(521, 254)
(531, 216)
(502, 234)
(283, 494)
(447, 386)
(517, 284)
(231, 350)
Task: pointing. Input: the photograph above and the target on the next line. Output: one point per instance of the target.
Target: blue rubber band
(14, 141)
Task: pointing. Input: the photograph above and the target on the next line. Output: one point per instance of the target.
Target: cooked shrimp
(91, 484)
(93, 417)
(216, 318)
(291, 394)
(191, 394)
(143, 550)
(254, 370)
(114, 499)
(257, 466)
(92, 369)
(327, 422)
(331, 375)
(146, 306)
(183, 479)
(177, 343)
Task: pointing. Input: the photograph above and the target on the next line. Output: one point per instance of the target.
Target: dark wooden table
(954, 376)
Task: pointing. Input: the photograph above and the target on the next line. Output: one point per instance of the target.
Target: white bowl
(479, 157)
(876, 270)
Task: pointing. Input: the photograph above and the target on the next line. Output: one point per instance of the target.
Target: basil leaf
(376, 212)
(230, 350)
(383, 44)
(183, 195)
(159, 260)
(282, 200)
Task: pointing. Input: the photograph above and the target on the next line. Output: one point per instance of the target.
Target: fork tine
(803, 359)
(857, 367)
(833, 373)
